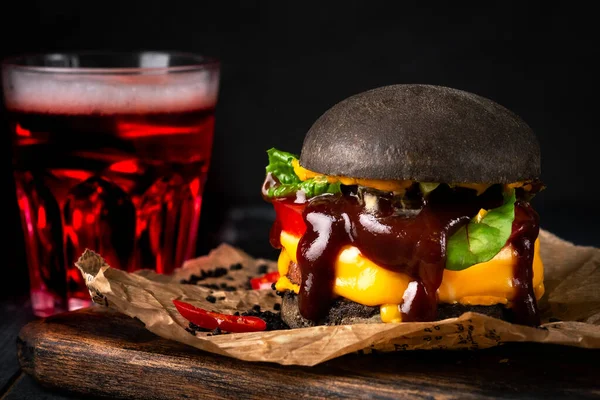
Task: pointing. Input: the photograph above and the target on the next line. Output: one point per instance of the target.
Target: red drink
(114, 165)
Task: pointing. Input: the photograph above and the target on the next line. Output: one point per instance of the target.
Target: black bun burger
(408, 203)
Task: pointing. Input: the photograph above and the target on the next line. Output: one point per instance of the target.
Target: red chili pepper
(265, 281)
(212, 320)
(290, 216)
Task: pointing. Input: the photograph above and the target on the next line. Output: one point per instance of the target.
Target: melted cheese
(479, 187)
(389, 185)
(362, 281)
(283, 264)
(390, 313)
(380, 184)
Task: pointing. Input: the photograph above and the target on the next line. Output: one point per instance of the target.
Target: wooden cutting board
(97, 351)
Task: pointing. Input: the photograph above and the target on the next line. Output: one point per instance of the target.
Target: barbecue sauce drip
(525, 230)
(414, 244)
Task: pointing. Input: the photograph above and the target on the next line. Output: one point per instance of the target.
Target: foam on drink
(81, 94)
(115, 162)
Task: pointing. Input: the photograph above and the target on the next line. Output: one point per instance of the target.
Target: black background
(283, 65)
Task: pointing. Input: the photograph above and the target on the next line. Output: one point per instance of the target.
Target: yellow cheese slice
(362, 281)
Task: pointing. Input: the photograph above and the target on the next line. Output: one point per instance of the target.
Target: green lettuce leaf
(427, 187)
(280, 166)
(479, 242)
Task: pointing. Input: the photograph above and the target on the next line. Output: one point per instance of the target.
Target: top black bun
(423, 133)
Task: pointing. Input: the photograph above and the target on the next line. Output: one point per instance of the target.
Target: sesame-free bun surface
(424, 133)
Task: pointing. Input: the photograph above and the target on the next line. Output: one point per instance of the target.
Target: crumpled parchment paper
(572, 279)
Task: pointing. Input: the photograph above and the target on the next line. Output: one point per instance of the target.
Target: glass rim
(197, 62)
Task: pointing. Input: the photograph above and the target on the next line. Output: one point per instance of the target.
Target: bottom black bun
(346, 312)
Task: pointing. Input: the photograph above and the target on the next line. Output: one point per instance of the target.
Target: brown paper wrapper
(572, 279)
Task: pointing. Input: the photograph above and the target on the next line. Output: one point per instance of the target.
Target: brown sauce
(525, 230)
(414, 244)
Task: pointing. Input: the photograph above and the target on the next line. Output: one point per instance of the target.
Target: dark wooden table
(14, 384)
(518, 370)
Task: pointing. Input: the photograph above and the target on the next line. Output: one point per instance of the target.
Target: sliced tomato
(290, 216)
(265, 281)
(212, 320)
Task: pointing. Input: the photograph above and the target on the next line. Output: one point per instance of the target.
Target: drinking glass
(110, 153)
